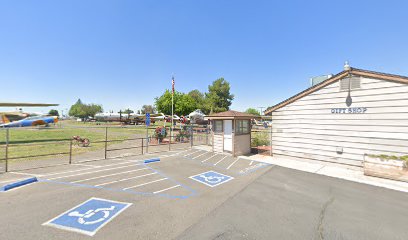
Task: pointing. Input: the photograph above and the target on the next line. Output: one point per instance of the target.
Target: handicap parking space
(175, 189)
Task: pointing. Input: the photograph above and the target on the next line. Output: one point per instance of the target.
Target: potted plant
(160, 133)
(386, 166)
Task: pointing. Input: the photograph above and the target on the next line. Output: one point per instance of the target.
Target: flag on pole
(172, 85)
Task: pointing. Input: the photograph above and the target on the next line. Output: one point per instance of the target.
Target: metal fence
(29, 148)
(261, 140)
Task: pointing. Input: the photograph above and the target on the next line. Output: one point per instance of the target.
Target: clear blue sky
(122, 53)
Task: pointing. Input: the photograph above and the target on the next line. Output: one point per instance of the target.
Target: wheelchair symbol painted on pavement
(211, 178)
(88, 217)
(82, 218)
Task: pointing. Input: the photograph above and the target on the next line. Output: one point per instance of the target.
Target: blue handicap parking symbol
(88, 217)
(211, 178)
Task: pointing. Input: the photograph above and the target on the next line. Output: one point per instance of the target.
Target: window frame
(239, 129)
(215, 129)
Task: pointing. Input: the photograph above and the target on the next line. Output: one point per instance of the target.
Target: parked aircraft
(197, 117)
(31, 121)
(128, 118)
(22, 119)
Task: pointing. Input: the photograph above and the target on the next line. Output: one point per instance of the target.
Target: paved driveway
(194, 194)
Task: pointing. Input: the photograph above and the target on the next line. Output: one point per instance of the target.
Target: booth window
(242, 127)
(218, 126)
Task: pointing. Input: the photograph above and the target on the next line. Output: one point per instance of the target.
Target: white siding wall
(218, 143)
(306, 128)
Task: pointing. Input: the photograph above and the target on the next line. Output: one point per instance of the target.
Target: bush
(183, 135)
(260, 139)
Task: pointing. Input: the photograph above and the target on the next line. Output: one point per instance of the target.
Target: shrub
(260, 139)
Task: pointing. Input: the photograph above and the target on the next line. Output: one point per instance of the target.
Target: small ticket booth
(231, 132)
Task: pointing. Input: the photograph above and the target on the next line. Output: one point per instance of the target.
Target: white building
(353, 113)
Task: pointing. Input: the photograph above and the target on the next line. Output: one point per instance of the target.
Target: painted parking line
(200, 155)
(83, 169)
(166, 189)
(125, 179)
(192, 153)
(113, 174)
(211, 178)
(101, 170)
(232, 164)
(205, 160)
(89, 216)
(143, 184)
(215, 164)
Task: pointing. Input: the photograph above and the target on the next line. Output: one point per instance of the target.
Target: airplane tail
(4, 119)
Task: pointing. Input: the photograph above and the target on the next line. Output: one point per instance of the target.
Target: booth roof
(231, 115)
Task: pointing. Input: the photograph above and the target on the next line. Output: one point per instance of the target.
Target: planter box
(385, 168)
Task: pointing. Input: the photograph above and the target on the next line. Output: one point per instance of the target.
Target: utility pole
(261, 110)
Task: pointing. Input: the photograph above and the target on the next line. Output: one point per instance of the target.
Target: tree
(148, 109)
(218, 98)
(128, 111)
(83, 111)
(183, 103)
(53, 112)
(198, 98)
(252, 111)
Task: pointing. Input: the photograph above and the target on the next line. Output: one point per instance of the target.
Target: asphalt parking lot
(194, 194)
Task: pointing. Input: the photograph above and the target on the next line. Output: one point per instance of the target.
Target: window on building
(217, 126)
(345, 83)
(242, 127)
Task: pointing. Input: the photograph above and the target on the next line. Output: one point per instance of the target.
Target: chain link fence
(30, 148)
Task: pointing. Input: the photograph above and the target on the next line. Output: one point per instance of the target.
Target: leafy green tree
(218, 98)
(128, 111)
(53, 112)
(83, 111)
(148, 109)
(253, 111)
(183, 103)
(199, 98)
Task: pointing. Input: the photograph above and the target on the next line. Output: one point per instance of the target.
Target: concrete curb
(18, 184)
(152, 160)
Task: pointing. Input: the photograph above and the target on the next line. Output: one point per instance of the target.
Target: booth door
(228, 135)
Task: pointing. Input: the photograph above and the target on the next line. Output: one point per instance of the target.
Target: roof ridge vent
(347, 66)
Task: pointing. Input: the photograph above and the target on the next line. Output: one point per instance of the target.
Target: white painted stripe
(27, 174)
(78, 170)
(145, 183)
(86, 165)
(192, 153)
(205, 160)
(125, 179)
(200, 155)
(113, 174)
(220, 160)
(232, 164)
(250, 164)
(166, 189)
(102, 170)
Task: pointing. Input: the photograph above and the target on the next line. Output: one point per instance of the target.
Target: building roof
(337, 77)
(231, 115)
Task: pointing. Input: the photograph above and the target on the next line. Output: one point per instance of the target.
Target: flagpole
(172, 108)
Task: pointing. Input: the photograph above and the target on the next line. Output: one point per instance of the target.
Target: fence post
(142, 146)
(7, 143)
(206, 135)
(169, 143)
(106, 142)
(191, 136)
(70, 151)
